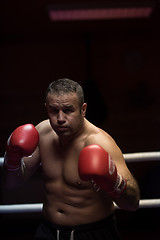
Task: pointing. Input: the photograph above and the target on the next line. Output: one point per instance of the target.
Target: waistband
(83, 227)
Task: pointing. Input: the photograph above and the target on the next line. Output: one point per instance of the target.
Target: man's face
(64, 113)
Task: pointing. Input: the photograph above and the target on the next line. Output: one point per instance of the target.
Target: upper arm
(31, 163)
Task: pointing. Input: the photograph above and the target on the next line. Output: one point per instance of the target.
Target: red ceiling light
(80, 14)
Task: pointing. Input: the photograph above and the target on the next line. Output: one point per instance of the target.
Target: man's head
(65, 106)
(66, 86)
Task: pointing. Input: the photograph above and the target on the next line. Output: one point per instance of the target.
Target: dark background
(118, 64)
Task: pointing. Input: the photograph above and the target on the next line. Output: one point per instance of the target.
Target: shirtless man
(83, 168)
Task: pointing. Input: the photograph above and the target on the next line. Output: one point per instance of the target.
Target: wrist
(119, 187)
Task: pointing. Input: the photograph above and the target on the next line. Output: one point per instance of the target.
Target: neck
(66, 140)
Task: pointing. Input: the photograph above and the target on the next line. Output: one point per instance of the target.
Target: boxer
(84, 171)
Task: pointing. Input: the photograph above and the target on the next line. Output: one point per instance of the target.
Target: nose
(61, 117)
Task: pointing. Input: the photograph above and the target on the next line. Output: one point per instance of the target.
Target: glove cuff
(119, 187)
(9, 166)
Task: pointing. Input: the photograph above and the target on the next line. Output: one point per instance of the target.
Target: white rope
(1, 161)
(129, 157)
(150, 203)
(37, 207)
(142, 156)
(21, 208)
(146, 203)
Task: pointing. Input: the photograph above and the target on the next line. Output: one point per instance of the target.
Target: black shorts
(101, 230)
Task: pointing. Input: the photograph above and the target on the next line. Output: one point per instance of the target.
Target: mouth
(62, 129)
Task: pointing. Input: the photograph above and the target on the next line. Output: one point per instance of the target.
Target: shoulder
(100, 137)
(44, 127)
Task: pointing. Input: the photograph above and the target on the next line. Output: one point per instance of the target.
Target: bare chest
(60, 165)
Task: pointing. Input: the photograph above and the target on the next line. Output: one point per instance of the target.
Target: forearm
(14, 178)
(129, 200)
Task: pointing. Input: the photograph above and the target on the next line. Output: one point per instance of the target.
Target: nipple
(78, 183)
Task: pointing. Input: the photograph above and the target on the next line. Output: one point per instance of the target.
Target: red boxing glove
(96, 164)
(22, 142)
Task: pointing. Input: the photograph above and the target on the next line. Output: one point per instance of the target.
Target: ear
(83, 109)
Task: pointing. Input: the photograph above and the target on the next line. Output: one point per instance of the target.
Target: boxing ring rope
(129, 157)
(37, 207)
(142, 156)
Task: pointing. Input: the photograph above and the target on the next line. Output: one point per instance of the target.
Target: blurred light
(99, 13)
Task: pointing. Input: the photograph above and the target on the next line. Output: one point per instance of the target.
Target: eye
(68, 110)
(54, 110)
